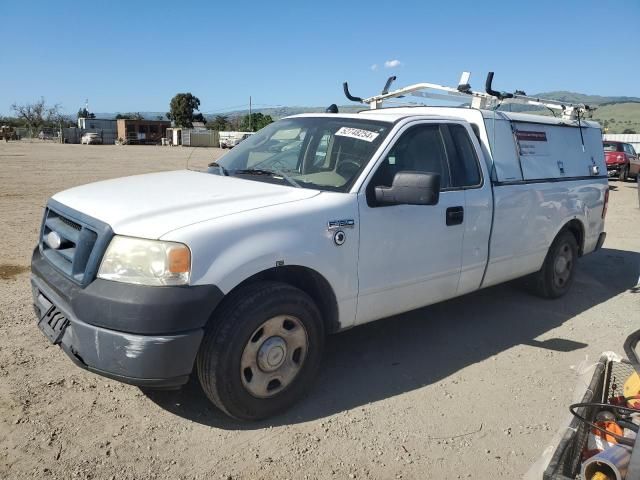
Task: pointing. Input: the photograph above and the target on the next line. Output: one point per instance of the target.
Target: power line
(240, 107)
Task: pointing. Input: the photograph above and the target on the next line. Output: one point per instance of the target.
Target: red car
(622, 159)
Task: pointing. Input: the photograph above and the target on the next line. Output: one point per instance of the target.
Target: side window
(629, 149)
(465, 171)
(420, 148)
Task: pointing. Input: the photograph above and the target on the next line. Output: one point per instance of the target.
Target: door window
(629, 149)
(443, 149)
(420, 148)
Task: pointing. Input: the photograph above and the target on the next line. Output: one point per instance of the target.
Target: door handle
(455, 215)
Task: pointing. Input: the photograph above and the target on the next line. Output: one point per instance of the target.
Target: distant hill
(573, 97)
(281, 112)
(616, 114)
(147, 115)
(275, 112)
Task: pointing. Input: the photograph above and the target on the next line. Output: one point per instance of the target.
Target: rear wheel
(556, 275)
(262, 350)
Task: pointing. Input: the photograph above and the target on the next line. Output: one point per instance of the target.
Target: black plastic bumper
(147, 336)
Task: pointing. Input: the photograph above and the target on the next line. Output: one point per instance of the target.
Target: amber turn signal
(179, 259)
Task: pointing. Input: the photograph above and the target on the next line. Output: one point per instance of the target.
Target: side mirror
(410, 188)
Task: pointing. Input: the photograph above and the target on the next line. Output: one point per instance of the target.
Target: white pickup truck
(315, 224)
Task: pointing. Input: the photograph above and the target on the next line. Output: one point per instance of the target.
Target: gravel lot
(471, 388)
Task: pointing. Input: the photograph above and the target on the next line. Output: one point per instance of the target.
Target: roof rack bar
(345, 87)
(483, 100)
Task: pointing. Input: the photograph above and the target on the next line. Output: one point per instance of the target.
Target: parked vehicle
(315, 224)
(231, 139)
(622, 159)
(91, 138)
(8, 133)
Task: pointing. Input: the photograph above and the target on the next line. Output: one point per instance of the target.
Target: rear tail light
(606, 203)
(620, 158)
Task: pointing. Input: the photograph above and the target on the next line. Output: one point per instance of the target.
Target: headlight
(146, 262)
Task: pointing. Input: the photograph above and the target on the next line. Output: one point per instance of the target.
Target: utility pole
(250, 117)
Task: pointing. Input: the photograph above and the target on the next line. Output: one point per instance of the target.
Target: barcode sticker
(360, 134)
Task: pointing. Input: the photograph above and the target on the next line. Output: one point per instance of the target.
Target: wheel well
(577, 229)
(310, 282)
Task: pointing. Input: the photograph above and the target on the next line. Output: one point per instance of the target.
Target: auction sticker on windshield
(360, 134)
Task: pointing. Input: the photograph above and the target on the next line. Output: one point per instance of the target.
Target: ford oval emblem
(54, 240)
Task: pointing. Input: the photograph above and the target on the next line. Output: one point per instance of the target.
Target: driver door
(410, 255)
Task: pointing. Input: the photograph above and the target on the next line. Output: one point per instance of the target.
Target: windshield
(322, 153)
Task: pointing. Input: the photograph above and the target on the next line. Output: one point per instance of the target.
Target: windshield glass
(323, 153)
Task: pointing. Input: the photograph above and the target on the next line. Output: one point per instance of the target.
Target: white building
(632, 138)
(107, 128)
(97, 124)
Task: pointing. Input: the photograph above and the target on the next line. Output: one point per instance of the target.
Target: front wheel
(261, 351)
(624, 173)
(557, 272)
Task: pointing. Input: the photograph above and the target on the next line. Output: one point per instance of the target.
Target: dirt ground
(475, 387)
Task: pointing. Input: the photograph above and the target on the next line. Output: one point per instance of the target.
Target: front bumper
(146, 336)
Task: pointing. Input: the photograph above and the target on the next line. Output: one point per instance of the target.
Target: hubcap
(563, 266)
(273, 356)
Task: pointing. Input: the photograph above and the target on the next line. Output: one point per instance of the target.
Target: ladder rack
(489, 99)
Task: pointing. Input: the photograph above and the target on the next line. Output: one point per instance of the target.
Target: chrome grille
(71, 223)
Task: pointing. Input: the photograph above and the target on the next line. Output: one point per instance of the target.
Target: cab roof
(394, 114)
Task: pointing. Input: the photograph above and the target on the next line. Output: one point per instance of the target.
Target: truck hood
(153, 204)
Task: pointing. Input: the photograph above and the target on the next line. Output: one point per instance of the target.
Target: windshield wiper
(222, 169)
(270, 173)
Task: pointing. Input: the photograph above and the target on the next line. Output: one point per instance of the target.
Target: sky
(128, 56)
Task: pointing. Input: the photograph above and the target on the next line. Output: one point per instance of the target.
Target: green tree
(181, 109)
(219, 123)
(198, 117)
(84, 113)
(629, 130)
(130, 116)
(254, 122)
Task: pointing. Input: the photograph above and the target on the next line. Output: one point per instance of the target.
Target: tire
(558, 270)
(624, 173)
(262, 350)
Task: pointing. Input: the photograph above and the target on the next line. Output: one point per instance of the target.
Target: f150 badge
(336, 226)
